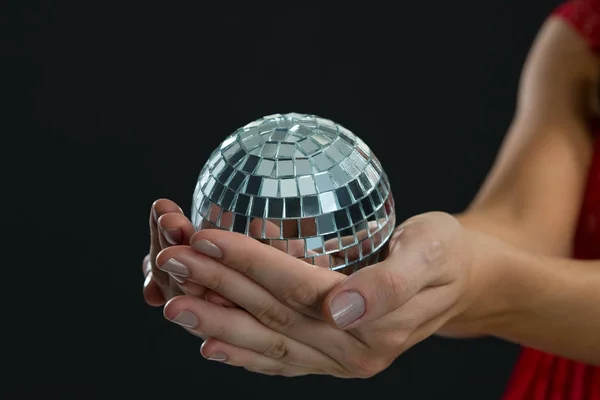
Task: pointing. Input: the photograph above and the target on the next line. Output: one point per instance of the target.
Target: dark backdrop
(109, 105)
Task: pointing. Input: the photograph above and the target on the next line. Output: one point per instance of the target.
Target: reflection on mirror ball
(302, 184)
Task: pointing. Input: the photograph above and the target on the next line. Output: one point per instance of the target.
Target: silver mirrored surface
(303, 184)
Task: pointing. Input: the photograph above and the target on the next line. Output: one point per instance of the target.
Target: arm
(533, 194)
(549, 303)
(532, 199)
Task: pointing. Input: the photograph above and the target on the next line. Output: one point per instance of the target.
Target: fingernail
(207, 248)
(218, 356)
(186, 319)
(155, 214)
(172, 235)
(346, 308)
(174, 267)
(177, 279)
(148, 279)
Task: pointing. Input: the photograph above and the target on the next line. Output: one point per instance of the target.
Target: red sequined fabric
(542, 376)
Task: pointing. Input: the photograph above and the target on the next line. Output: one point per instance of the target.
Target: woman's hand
(295, 319)
(168, 227)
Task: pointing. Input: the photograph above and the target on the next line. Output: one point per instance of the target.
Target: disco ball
(302, 184)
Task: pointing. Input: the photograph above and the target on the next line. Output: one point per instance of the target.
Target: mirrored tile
(257, 228)
(332, 242)
(367, 206)
(226, 220)
(265, 167)
(339, 175)
(285, 168)
(270, 150)
(250, 164)
(227, 199)
(315, 243)
(204, 207)
(324, 182)
(328, 203)
(275, 208)
(310, 206)
(333, 153)
(248, 133)
(269, 188)
(229, 141)
(303, 166)
(236, 181)
(258, 207)
(273, 228)
(241, 206)
(343, 196)
(308, 227)
(292, 207)
(355, 189)
(321, 139)
(322, 162)
(344, 147)
(286, 150)
(214, 213)
(253, 185)
(279, 134)
(218, 168)
(348, 166)
(355, 213)
(322, 260)
(288, 188)
(307, 146)
(296, 248)
(226, 174)
(325, 224)
(240, 224)
(289, 228)
(342, 220)
(306, 185)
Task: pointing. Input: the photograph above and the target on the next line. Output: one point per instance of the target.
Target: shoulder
(584, 17)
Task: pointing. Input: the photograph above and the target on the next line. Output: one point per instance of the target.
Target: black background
(106, 106)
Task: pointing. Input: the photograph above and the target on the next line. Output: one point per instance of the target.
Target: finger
(217, 350)
(152, 293)
(174, 229)
(159, 207)
(292, 281)
(237, 327)
(416, 252)
(259, 302)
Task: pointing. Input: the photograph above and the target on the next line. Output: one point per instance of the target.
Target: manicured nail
(155, 214)
(207, 248)
(174, 267)
(186, 319)
(172, 235)
(346, 308)
(177, 279)
(148, 279)
(218, 356)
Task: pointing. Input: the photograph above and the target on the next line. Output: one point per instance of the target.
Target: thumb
(416, 252)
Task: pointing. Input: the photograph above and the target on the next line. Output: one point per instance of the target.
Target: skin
(500, 268)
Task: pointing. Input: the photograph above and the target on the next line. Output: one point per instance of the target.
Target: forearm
(548, 303)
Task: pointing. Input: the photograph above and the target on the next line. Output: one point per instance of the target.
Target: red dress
(538, 375)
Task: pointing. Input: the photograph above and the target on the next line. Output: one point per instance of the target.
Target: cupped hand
(169, 227)
(295, 319)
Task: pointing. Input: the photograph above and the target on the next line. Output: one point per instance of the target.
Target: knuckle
(274, 316)
(216, 282)
(300, 295)
(367, 366)
(276, 350)
(389, 284)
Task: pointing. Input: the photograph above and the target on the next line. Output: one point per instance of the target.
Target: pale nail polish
(174, 267)
(186, 319)
(346, 308)
(177, 278)
(207, 248)
(173, 236)
(218, 356)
